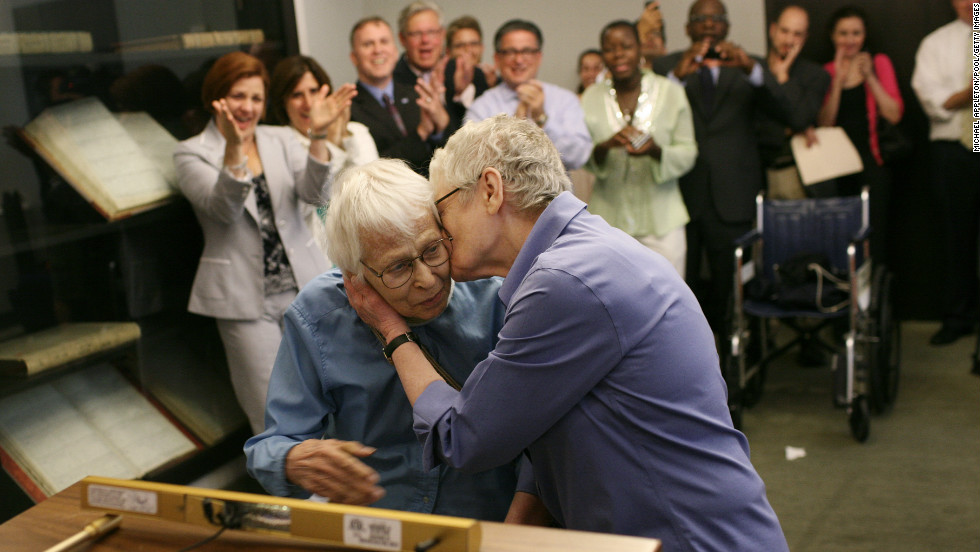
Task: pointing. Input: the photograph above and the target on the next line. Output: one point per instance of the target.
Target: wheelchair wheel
(860, 418)
(887, 344)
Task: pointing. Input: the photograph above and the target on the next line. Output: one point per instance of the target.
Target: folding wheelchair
(865, 343)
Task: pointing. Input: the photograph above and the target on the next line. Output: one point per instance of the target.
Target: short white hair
(414, 8)
(384, 197)
(528, 162)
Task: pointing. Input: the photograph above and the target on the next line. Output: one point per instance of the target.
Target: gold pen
(92, 531)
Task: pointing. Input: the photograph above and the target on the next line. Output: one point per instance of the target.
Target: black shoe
(948, 334)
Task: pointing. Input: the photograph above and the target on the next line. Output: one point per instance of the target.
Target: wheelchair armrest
(748, 238)
(862, 234)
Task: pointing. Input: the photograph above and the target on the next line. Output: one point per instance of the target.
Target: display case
(63, 263)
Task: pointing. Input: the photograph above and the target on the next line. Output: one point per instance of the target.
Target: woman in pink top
(863, 89)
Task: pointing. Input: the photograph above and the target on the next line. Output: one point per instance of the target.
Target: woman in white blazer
(246, 183)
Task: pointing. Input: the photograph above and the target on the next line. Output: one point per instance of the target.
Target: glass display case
(64, 263)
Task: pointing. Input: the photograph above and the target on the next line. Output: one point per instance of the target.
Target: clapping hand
(433, 115)
(325, 109)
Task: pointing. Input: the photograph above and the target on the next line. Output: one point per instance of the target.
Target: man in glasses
(337, 422)
(551, 107)
(725, 87)
(422, 35)
(604, 372)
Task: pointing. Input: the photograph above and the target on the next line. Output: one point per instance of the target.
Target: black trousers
(957, 190)
(713, 239)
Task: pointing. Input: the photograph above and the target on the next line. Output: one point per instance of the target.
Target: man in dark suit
(726, 87)
(406, 121)
(422, 34)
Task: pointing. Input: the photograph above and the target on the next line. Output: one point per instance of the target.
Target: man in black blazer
(423, 36)
(726, 88)
(406, 121)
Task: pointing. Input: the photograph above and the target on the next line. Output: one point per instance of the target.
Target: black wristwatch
(404, 338)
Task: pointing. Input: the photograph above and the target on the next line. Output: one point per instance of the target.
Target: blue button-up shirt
(331, 381)
(565, 125)
(606, 372)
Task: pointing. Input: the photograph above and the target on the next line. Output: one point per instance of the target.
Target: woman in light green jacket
(644, 142)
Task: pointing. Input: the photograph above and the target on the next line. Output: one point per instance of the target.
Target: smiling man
(727, 88)
(554, 109)
(423, 35)
(407, 121)
(337, 421)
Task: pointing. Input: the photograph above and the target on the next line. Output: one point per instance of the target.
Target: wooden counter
(61, 516)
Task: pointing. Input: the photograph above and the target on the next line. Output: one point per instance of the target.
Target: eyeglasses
(429, 33)
(718, 18)
(396, 274)
(467, 45)
(438, 201)
(512, 53)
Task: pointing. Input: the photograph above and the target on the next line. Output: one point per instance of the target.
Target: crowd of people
(487, 346)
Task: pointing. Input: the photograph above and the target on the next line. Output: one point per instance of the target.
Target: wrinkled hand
(331, 468)
(732, 55)
(530, 96)
(372, 308)
(326, 108)
(431, 108)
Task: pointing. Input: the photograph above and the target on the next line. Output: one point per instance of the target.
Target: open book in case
(121, 163)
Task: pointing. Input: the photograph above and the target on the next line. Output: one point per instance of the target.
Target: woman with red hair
(246, 183)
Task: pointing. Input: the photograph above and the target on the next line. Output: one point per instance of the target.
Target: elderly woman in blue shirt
(338, 423)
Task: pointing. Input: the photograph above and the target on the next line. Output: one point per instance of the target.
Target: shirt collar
(377, 93)
(545, 232)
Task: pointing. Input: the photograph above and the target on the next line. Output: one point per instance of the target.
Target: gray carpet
(914, 485)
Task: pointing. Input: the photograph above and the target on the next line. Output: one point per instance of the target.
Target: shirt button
(425, 499)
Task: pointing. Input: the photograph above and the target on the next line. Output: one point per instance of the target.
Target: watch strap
(398, 341)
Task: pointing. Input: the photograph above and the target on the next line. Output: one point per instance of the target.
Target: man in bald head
(804, 83)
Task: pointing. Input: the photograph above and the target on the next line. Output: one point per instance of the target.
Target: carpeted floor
(914, 485)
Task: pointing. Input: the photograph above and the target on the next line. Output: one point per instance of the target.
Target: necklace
(643, 108)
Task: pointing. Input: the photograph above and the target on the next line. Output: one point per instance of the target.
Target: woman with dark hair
(863, 89)
(295, 83)
(246, 182)
(643, 133)
(589, 69)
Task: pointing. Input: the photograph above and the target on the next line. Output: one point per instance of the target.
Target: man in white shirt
(556, 110)
(942, 82)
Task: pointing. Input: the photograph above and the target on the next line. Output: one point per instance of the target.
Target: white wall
(568, 27)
